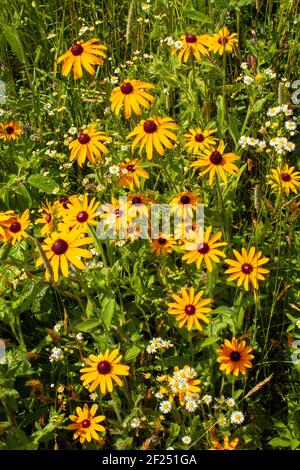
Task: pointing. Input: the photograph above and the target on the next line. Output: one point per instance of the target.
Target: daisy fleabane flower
(165, 407)
(237, 417)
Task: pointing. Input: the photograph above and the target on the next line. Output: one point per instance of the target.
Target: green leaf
(132, 353)
(43, 183)
(108, 311)
(196, 16)
(13, 39)
(88, 325)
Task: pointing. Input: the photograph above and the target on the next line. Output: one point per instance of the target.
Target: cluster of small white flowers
(114, 80)
(230, 402)
(247, 80)
(191, 403)
(58, 326)
(72, 130)
(165, 407)
(114, 169)
(244, 65)
(56, 355)
(245, 141)
(222, 421)
(237, 417)
(168, 40)
(180, 384)
(281, 145)
(79, 337)
(290, 126)
(158, 344)
(135, 423)
(84, 29)
(178, 44)
(280, 109)
(207, 399)
(186, 440)
(270, 73)
(120, 243)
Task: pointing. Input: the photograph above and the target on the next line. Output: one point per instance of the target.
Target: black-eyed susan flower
(247, 267)
(62, 248)
(131, 95)
(184, 202)
(226, 444)
(235, 357)
(47, 218)
(15, 228)
(102, 370)
(10, 131)
(137, 200)
(89, 145)
(86, 424)
(223, 41)
(215, 161)
(115, 214)
(130, 171)
(189, 308)
(284, 179)
(154, 134)
(80, 213)
(5, 217)
(163, 245)
(198, 139)
(196, 44)
(204, 248)
(61, 205)
(82, 54)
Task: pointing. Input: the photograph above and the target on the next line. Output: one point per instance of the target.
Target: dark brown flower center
(48, 218)
(136, 200)
(85, 423)
(185, 199)
(9, 130)
(59, 247)
(222, 40)
(216, 158)
(162, 241)
(77, 49)
(235, 356)
(190, 309)
(247, 268)
(150, 126)
(286, 177)
(190, 38)
(126, 88)
(82, 216)
(15, 227)
(203, 248)
(199, 137)
(118, 212)
(104, 367)
(84, 139)
(130, 168)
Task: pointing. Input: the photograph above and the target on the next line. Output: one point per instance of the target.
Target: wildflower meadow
(149, 225)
